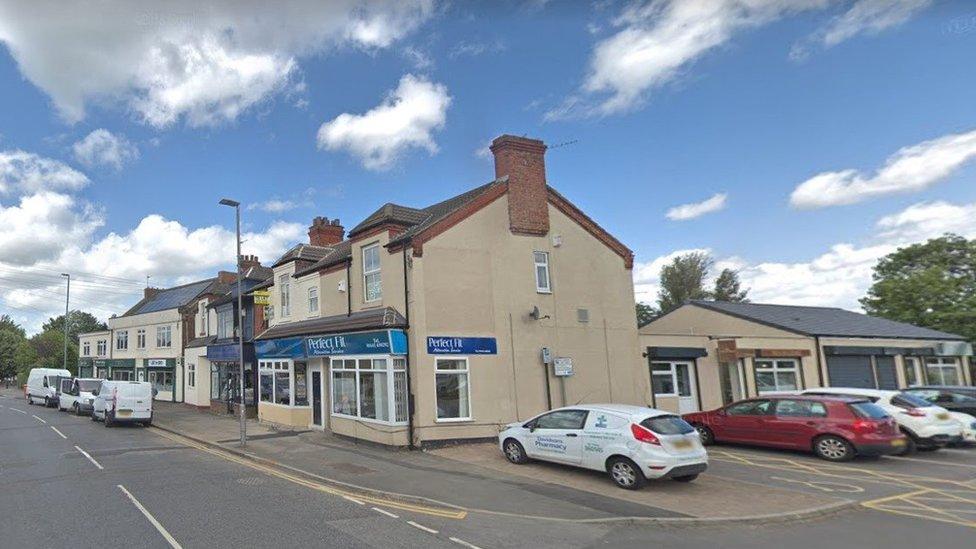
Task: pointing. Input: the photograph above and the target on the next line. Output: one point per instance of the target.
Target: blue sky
(830, 131)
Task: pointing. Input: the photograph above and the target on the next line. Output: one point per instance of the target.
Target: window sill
(544, 292)
(454, 420)
(369, 420)
(296, 407)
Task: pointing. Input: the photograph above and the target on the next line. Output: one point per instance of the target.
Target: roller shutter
(886, 372)
(850, 371)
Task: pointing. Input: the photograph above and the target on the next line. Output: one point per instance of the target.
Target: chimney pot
(325, 233)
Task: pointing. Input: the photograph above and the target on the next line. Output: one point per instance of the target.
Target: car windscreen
(868, 410)
(908, 400)
(53, 380)
(88, 385)
(668, 425)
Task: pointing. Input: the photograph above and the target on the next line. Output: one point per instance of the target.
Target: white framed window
(372, 279)
(777, 375)
(191, 375)
(911, 371)
(284, 293)
(313, 300)
(164, 336)
(543, 284)
(141, 338)
(453, 389)
(370, 389)
(86, 349)
(122, 340)
(671, 379)
(101, 347)
(276, 385)
(161, 381)
(941, 371)
(202, 315)
(225, 323)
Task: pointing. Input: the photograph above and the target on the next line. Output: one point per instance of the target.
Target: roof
(389, 213)
(201, 341)
(172, 298)
(851, 391)
(824, 321)
(386, 317)
(306, 252)
(247, 285)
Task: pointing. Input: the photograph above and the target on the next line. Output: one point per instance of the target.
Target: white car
(631, 443)
(77, 396)
(42, 384)
(926, 425)
(968, 423)
(123, 401)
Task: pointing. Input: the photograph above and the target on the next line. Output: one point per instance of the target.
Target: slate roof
(201, 341)
(382, 318)
(389, 213)
(305, 252)
(824, 321)
(174, 298)
(247, 285)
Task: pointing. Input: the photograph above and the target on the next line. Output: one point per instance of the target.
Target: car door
(65, 398)
(794, 423)
(741, 421)
(558, 436)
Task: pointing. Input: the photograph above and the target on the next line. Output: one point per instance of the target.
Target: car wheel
(515, 452)
(706, 434)
(109, 419)
(625, 473)
(929, 448)
(686, 478)
(47, 402)
(910, 446)
(833, 448)
(93, 416)
(30, 400)
(77, 409)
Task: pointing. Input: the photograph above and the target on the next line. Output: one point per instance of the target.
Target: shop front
(225, 380)
(120, 369)
(85, 367)
(161, 373)
(353, 384)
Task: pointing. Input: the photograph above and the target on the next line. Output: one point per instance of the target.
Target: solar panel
(173, 297)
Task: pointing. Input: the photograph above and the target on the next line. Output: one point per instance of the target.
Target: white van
(76, 395)
(123, 401)
(42, 385)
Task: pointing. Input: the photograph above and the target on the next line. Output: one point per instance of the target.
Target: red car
(833, 428)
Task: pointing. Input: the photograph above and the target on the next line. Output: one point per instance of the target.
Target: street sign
(562, 367)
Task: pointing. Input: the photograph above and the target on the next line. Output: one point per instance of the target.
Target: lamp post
(67, 295)
(240, 316)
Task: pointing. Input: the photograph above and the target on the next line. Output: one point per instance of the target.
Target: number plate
(682, 444)
(123, 413)
(898, 442)
(943, 416)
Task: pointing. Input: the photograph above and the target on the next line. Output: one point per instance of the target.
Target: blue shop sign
(223, 353)
(288, 347)
(386, 342)
(447, 345)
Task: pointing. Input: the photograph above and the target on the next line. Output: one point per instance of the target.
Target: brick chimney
(325, 233)
(226, 277)
(149, 292)
(523, 161)
(248, 262)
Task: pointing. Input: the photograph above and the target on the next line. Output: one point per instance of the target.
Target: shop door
(317, 398)
(850, 371)
(887, 379)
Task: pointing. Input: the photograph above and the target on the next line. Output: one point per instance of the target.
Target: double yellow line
(442, 512)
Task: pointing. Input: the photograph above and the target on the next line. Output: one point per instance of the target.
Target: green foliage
(931, 284)
(645, 314)
(49, 347)
(728, 287)
(79, 322)
(7, 324)
(682, 280)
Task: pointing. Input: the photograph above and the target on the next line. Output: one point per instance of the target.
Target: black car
(954, 399)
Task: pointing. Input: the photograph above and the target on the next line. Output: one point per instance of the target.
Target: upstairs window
(313, 300)
(202, 316)
(543, 285)
(225, 323)
(372, 281)
(140, 338)
(101, 347)
(164, 336)
(122, 340)
(284, 292)
(86, 349)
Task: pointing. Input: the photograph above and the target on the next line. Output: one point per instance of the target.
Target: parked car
(833, 428)
(77, 396)
(928, 427)
(631, 443)
(964, 390)
(123, 402)
(42, 384)
(951, 399)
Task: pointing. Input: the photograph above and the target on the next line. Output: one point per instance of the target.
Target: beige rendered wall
(332, 300)
(391, 272)
(383, 434)
(478, 279)
(200, 394)
(285, 416)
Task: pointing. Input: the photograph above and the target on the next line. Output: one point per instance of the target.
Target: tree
(49, 348)
(7, 324)
(682, 280)
(931, 284)
(645, 314)
(79, 322)
(728, 287)
(9, 344)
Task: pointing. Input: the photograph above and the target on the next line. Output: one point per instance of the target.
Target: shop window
(122, 340)
(543, 284)
(941, 371)
(361, 388)
(453, 389)
(191, 375)
(776, 375)
(372, 279)
(400, 389)
(141, 338)
(164, 336)
(671, 379)
(911, 371)
(301, 384)
(284, 293)
(122, 375)
(313, 300)
(161, 381)
(275, 381)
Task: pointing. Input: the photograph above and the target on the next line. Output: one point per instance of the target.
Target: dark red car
(833, 428)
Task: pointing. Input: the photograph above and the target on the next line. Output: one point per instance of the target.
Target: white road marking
(421, 527)
(38, 419)
(59, 432)
(356, 501)
(464, 543)
(19, 411)
(166, 535)
(91, 459)
(385, 512)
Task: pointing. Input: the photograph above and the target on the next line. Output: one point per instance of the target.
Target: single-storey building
(705, 354)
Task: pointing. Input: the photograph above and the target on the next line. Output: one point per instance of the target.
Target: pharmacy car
(631, 443)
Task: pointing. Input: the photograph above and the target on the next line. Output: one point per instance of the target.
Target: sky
(797, 141)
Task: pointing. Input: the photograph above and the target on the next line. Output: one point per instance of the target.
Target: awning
(374, 342)
(676, 352)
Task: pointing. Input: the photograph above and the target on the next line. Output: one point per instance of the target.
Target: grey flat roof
(825, 321)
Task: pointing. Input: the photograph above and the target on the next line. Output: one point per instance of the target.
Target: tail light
(643, 435)
(915, 412)
(865, 426)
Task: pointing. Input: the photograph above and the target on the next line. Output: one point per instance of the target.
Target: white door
(558, 436)
(677, 380)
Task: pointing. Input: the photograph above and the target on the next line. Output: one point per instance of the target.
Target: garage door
(886, 372)
(850, 371)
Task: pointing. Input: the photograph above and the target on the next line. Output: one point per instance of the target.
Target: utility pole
(67, 295)
(240, 317)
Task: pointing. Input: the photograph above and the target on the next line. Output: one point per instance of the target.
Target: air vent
(583, 315)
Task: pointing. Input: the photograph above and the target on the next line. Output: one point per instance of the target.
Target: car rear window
(868, 410)
(668, 425)
(907, 400)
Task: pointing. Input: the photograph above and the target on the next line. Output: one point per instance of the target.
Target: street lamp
(240, 315)
(67, 294)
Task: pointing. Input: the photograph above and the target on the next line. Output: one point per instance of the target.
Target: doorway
(733, 381)
(317, 398)
(675, 379)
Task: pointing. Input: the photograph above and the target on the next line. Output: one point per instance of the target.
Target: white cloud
(863, 17)
(474, 49)
(42, 226)
(27, 172)
(910, 169)
(406, 119)
(927, 219)
(274, 205)
(102, 147)
(697, 209)
(205, 62)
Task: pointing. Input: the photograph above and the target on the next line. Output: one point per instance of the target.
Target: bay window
(777, 375)
(372, 279)
(370, 388)
(453, 389)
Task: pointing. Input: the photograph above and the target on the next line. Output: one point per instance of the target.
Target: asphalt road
(142, 489)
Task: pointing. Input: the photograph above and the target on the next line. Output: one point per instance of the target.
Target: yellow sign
(262, 297)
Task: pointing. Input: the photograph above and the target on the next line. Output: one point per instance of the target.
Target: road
(68, 482)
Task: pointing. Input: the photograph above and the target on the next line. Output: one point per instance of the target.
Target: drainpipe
(406, 314)
(349, 288)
